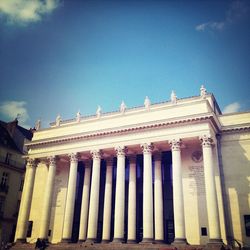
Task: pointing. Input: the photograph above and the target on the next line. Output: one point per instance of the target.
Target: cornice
(230, 129)
(124, 130)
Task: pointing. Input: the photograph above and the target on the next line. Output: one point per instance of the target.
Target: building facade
(173, 172)
(12, 168)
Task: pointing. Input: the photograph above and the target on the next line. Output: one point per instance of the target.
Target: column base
(147, 241)
(131, 241)
(118, 240)
(90, 240)
(215, 244)
(66, 240)
(159, 242)
(215, 241)
(21, 241)
(81, 241)
(105, 241)
(179, 241)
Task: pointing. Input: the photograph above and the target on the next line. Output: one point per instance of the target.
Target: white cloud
(236, 11)
(25, 11)
(231, 108)
(13, 109)
(211, 25)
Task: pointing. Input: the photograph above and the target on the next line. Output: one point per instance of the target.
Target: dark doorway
(78, 201)
(168, 212)
(139, 197)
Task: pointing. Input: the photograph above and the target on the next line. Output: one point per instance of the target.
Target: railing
(11, 162)
(4, 188)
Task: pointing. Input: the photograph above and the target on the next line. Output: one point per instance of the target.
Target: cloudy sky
(61, 56)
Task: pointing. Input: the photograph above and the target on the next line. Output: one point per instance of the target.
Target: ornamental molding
(96, 154)
(147, 148)
(31, 162)
(52, 160)
(175, 144)
(74, 157)
(121, 150)
(230, 129)
(206, 140)
(132, 129)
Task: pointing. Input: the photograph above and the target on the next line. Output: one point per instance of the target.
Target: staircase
(115, 246)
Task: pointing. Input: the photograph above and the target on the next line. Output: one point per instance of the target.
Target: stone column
(148, 227)
(211, 197)
(132, 201)
(158, 202)
(70, 200)
(120, 195)
(25, 205)
(85, 203)
(107, 202)
(48, 194)
(94, 197)
(179, 218)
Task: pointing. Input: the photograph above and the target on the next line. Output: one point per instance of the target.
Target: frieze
(117, 132)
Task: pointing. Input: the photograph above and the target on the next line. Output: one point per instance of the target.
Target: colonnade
(153, 230)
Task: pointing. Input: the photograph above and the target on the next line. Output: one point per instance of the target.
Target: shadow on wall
(234, 172)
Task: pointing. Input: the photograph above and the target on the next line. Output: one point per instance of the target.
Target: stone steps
(108, 246)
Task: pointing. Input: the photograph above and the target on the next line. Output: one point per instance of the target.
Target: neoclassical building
(172, 172)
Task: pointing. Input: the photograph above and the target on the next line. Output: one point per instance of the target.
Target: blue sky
(58, 57)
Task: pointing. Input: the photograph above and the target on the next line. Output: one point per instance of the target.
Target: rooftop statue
(78, 116)
(58, 120)
(173, 97)
(147, 102)
(38, 124)
(203, 91)
(122, 107)
(98, 111)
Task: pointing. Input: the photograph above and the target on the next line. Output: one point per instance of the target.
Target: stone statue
(98, 111)
(122, 107)
(147, 102)
(78, 116)
(38, 125)
(173, 97)
(203, 92)
(58, 120)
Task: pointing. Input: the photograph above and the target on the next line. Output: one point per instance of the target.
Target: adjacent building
(12, 167)
(171, 172)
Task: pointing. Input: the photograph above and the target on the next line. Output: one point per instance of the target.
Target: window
(7, 158)
(21, 184)
(247, 224)
(30, 226)
(203, 231)
(5, 178)
(2, 200)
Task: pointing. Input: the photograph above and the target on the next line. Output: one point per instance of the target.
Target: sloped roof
(5, 138)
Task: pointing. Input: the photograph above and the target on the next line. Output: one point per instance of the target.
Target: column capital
(175, 144)
(96, 154)
(31, 162)
(206, 140)
(147, 148)
(121, 150)
(74, 157)
(52, 160)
